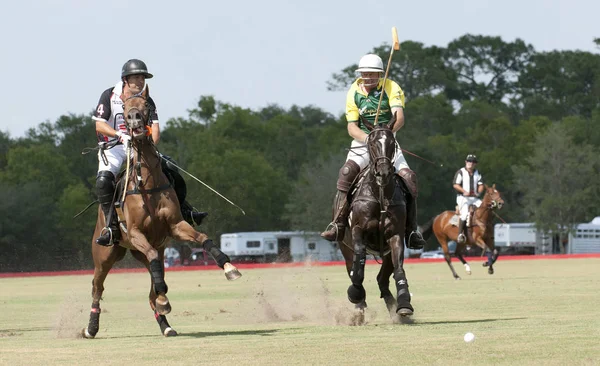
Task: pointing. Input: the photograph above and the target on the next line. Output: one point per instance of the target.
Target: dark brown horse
(378, 224)
(481, 230)
(151, 211)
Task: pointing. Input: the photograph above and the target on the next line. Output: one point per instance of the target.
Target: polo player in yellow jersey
(361, 101)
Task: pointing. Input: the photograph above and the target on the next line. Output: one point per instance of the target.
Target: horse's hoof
(163, 306)
(491, 270)
(404, 312)
(456, 277)
(356, 294)
(467, 268)
(485, 264)
(233, 274)
(169, 332)
(86, 334)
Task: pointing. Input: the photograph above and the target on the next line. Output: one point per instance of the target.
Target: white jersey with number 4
(110, 110)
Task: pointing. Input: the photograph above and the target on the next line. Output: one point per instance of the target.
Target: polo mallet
(395, 46)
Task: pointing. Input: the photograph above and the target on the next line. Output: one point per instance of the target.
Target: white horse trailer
(279, 246)
(518, 238)
(585, 238)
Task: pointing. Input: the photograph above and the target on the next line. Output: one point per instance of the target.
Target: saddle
(456, 218)
(180, 190)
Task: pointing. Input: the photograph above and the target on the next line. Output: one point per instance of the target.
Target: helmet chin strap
(141, 90)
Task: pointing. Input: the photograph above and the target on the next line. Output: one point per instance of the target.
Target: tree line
(531, 117)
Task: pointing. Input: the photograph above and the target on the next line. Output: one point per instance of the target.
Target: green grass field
(528, 313)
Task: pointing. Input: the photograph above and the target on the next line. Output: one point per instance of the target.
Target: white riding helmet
(370, 63)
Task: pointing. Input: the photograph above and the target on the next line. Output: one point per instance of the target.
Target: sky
(58, 56)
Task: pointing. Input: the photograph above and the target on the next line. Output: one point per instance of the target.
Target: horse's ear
(494, 186)
(367, 124)
(146, 91)
(392, 121)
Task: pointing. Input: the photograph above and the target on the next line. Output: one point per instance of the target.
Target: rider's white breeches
(464, 203)
(359, 154)
(115, 156)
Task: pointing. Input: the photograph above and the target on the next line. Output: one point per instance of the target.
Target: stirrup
(332, 226)
(105, 230)
(418, 238)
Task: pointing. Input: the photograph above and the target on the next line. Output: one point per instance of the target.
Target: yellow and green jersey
(360, 104)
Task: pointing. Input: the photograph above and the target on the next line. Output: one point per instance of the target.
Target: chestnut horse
(378, 224)
(480, 232)
(151, 210)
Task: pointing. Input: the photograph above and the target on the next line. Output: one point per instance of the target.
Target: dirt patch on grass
(70, 317)
(298, 294)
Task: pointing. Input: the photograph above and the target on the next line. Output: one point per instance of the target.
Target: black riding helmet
(134, 67)
(471, 158)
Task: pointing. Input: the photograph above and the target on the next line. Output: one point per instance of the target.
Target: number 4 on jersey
(100, 110)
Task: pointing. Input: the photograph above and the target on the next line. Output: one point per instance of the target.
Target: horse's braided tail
(427, 229)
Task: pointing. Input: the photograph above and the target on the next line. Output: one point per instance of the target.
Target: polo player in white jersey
(468, 183)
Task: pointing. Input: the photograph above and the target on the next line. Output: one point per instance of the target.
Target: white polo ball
(469, 337)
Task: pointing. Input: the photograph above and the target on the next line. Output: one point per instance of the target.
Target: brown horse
(378, 223)
(151, 210)
(481, 230)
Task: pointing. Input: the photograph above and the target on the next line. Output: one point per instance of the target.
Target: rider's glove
(124, 138)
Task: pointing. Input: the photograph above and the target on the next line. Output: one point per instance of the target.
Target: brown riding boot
(340, 218)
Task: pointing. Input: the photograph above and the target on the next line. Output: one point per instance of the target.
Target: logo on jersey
(119, 118)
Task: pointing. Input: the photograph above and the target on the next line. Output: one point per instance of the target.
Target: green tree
(207, 110)
(75, 133)
(37, 163)
(555, 182)
(486, 68)
(560, 83)
(5, 144)
(317, 180)
(76, 233)
(28, 236)
(247, 179)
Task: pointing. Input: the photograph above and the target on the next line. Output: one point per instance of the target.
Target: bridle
(380, 158)
(135, 116)
(495, 202)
